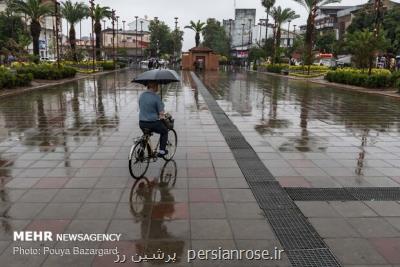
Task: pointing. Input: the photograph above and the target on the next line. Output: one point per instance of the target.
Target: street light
(294, 29)
(117, 17)
(113, 34)
(158, 41)
(57, 15)
(175, 40)
(92, 39)
(242, 54)
(141, 39)
(136, 43)
(250, 32)
(288, 31)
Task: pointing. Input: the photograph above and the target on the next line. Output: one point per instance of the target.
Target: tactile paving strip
(345, 194)
(293, 230)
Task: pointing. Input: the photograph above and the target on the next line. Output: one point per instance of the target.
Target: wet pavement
(64, 168)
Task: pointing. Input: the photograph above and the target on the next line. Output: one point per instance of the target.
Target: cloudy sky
(188, 10)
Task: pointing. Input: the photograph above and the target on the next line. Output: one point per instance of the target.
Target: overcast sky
(188, 10)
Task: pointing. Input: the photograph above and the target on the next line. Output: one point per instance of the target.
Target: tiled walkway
(311, 136)
(64, 169)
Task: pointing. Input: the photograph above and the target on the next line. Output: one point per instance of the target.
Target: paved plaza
(64, 168)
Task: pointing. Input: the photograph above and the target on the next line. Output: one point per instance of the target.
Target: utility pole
(136, 40)
(113, 34)
(57, 7)
(92, 39)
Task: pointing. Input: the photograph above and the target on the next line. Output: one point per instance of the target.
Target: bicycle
(141, 152)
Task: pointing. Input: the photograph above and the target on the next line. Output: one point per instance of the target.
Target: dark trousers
(157, 127)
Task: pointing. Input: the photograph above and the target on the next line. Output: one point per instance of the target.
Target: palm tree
(35, 11)
(99, 13)
(73, 13)
(197, 27)
(268, 4)
(281, 16)
(312, 7)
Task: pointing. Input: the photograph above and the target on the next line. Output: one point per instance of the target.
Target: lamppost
(117, 17)
(92, 39)
(242, 54)
(123, 33)
(288, 34)
(57, 15)
(141, 39)
(250, 32)
(103, 39)
(176, 40)
(136, 39)
(113, 34)
(260, 24)
(294, 29)
(158, 41)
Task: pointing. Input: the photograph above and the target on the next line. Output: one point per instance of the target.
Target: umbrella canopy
(163, 76)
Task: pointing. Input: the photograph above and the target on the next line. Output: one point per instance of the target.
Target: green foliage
(12, 34)
(47, 71)
(163, 39)
(215, 37)
(198, 28)
(10, 80)
(256, 53)
(313, 68)
(276, 68)
(74, 12)
(363, 45)
(378, 79)
(365, 19)
(326, 42)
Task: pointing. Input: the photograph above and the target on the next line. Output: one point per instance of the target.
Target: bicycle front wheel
(139, 159)
(171, 145)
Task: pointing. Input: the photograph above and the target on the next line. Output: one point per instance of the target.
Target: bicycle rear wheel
(139, 159)
(171, 145)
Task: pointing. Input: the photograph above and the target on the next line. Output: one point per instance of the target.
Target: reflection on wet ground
(310, 135)
(64, 168)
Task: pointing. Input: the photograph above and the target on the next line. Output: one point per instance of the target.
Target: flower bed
(8, 79)
(379, 78)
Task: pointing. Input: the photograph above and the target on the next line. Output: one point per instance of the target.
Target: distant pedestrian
(150, 65)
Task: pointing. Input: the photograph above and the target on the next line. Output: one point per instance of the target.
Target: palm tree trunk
(309, 36)
(278, 43)
(36, 28)
(72, 41)
(274, 45)
(197, 39)
(266, 32)
(97, 29)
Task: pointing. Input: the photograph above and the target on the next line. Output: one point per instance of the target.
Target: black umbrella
(163, 76)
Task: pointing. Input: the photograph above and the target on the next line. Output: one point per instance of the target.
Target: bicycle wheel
(171, 145)
(139, 159)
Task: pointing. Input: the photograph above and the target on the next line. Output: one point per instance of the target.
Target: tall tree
(73, 13)
(35, 11)
(198, 28)
(312, 7)
(215, 37)
(99, 13)
(268, 4)
(13, 33)
(281, 16)
(161, 39)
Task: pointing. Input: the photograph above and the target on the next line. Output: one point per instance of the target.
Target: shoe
(160, 154)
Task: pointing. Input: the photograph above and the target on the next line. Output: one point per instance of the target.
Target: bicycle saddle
(146, 131)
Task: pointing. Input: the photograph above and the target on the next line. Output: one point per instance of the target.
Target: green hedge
(276, 68)
(9, 79)
(378, 78)
(47, 71)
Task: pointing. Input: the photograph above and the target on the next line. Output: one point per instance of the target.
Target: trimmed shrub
(378, 79)
(276, 68)
(47, 71)
(10, 80)
(107, 65)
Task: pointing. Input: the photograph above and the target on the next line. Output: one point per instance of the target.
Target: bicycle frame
(147, 139)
